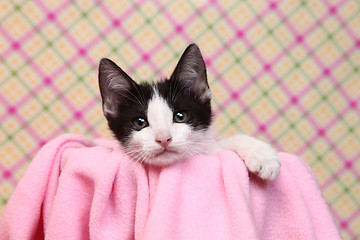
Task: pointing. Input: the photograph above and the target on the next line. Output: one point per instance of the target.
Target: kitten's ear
(191, 71)
(114, 85)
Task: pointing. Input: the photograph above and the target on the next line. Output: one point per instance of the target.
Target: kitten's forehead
(159, 112)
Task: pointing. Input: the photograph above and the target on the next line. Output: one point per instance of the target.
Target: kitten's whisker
(179, 93)
(137, 157)
(136, 98)
(135, 162)
(143, 161)
(134, 156)
(132, 151)
(142, 158)
(141, 96)
(127, 97)
(173, 91)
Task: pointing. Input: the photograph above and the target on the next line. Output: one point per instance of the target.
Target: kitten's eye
(139, 123)
(180, 117)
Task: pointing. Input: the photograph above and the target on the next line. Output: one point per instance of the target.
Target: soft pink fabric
(76, 188)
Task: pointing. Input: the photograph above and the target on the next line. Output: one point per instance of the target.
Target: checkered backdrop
(284, 71)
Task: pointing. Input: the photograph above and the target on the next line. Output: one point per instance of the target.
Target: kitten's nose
(164, 141)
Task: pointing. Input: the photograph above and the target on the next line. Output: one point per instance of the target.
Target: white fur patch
(160, 117)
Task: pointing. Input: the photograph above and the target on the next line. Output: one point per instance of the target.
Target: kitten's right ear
(114, 85)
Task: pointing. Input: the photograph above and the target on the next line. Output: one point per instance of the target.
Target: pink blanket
(77, 188)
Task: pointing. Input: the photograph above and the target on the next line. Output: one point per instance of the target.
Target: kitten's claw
(263, 161)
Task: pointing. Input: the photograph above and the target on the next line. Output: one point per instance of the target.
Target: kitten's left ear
(191, 72)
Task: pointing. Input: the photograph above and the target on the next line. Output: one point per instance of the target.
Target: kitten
(169, 121)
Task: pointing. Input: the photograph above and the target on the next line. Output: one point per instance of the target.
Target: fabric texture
(77, 188)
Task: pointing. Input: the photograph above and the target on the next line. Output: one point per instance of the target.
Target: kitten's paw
(263, 161)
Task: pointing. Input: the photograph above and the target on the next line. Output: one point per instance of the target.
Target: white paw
(262, 160)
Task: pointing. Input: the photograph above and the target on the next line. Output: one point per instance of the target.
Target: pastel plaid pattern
(284, 71)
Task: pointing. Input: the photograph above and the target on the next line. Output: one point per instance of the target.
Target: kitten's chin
(164, 158)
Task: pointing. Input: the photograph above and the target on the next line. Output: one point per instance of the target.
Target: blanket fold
(77, 188)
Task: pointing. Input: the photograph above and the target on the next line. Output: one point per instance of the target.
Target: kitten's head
(162, 122)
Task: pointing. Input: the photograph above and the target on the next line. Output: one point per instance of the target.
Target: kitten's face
(163, 122)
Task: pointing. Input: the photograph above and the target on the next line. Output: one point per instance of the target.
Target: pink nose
(164, 142)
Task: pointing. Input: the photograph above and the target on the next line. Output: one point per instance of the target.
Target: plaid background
(284, 71)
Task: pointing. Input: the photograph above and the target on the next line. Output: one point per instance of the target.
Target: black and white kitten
(168, 121)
